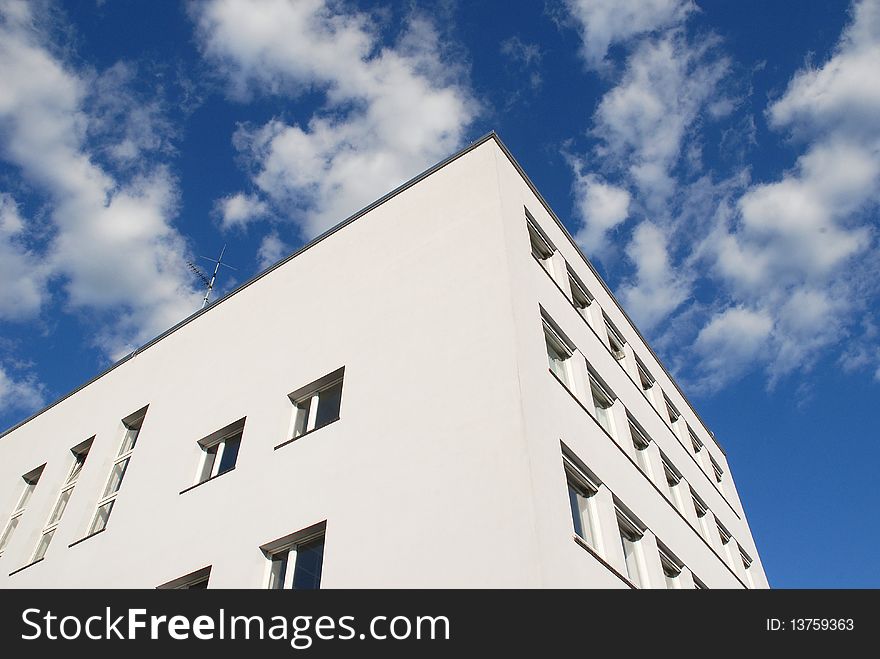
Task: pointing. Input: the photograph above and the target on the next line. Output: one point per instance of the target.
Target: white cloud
(657, 289)
(390, 111)
(729, 344)
(20, 393)
(604, 23)
(113, 243)
(22, 271)
(239, 210)
(600, 207)
(643, 121)
(271, 250)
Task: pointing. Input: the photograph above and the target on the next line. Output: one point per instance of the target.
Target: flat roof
(492, 135)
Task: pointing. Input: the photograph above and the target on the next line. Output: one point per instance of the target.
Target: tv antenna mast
(209, 283)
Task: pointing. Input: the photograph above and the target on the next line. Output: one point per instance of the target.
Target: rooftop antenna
(209, 283)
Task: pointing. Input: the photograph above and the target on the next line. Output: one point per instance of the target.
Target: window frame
(600, 393)
(31, 480)
(631, 532)
(283, 546)
(80, 455)
(132, 423)
(542, 248)
(587, 488)
(311, 393)
(218, 441)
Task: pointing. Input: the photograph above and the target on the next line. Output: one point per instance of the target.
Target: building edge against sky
(443, 393)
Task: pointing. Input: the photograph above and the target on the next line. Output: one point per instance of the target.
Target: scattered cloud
(239, 210)
(20, 392)
(390, 110)
(527, 56)
(23, 272)
(600, 207)
(272, 249)
(604, 23)
(113, 245)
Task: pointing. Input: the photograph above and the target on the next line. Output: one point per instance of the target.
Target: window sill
(585, 545)
(91, 535)
(650, 404)
(25, 567)
(305, 434)
(207, 480)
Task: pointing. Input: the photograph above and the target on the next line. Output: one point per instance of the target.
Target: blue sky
(719, 162)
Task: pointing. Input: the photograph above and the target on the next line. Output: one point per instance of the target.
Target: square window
(317, 405)
(602, 400)
(220, 451)
(296, 562)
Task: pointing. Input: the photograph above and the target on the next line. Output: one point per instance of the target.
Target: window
(630, 536)
(559, 352)
(695, 441)
(702, 518)
(646, 380)
(581, 489)
(718, 471)
(580, 296)
(603, 399)
(542, 248)
(220, 451)
(296, 561)
(672, 478)
(640, 443)
(317, 404)
(671, 569)
(80, 453)
(132, 425)
(747, 567)
(727, 545)
(197, 580)
(30, 483)
(615, 341)
(672, 411)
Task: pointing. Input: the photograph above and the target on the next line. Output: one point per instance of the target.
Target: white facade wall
(445, 468)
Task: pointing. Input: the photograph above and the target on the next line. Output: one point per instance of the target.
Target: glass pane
(230, 454)
(278, 571)
(26, 495)
(329, 402)
(44, 545)
(128, 442)
(309, 560)
(302, 417)
(101, 517)
(202, 584)
(556, 359)
(116, 477)
(7, 533)
(575, 511)
(61, 505)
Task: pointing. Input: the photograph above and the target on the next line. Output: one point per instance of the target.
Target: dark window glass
(309, 560)
(230, 454)
(329, 401)
(575, 511)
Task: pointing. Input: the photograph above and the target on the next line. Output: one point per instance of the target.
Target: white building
(377, 411)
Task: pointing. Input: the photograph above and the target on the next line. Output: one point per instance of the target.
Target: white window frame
(747, 566)
(31, 479)
(640, 442)
(632, 533)
(311, 394)
(616, 342)
(542, 248)
(288, 547)
(726, 544)
(717, 471)
(586, 488)
(672, 479)
(602, 399)
(132, 424)
(702, 512)
(670, 564)
(554, 339)
(217, 440)
(581, 298)
(80, 454)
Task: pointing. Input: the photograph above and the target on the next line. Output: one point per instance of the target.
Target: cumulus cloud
(792, 261)
(239, 210)
(112, 243)
(390, 110)
(600, 207)
(22, 271)
(604, 23)
(20, 393)
(657, 288)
